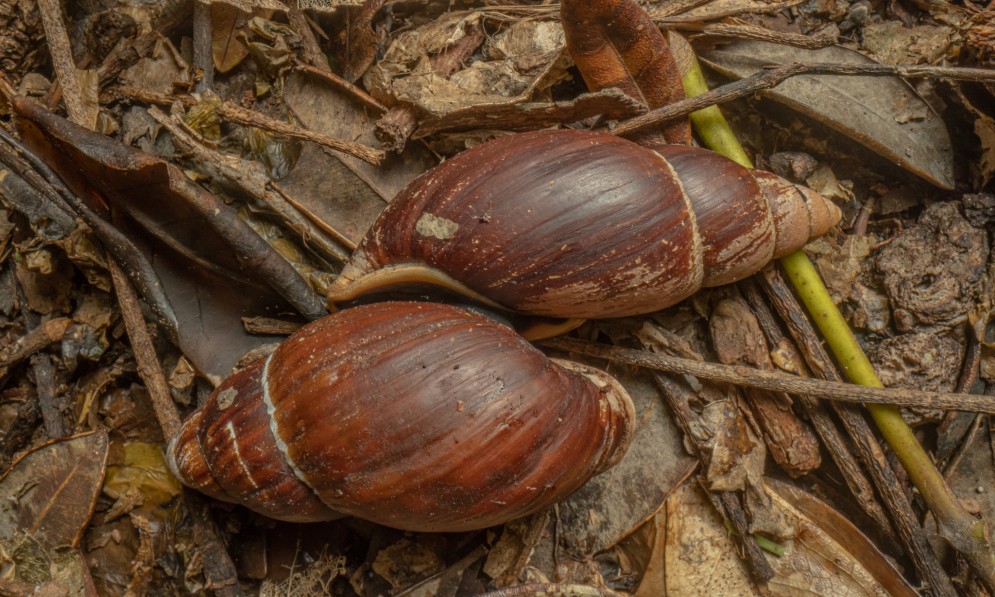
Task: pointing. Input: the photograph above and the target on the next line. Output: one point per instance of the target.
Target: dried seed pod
(419, 416)
(583, 225)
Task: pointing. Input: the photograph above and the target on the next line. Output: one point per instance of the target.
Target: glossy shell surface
(413, 415)
(583, 225)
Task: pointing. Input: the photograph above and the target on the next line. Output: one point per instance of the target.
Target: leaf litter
(910, 281)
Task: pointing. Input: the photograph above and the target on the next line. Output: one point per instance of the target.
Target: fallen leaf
(363, 38)
(140, 466)
(51, 491)
(408, 75)
(159, 71)
(196, 243)
(828, 555)
(341, 190)
(227, 22)
(612, 504)
(828, 540)
(882, 113)
(840, 263)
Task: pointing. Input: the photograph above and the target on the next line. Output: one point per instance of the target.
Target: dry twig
(771, 78)
(779, 382)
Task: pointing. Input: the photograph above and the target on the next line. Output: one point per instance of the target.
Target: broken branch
(780, 382)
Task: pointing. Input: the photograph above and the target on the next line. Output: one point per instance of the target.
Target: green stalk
(709, 123)
(966, 533)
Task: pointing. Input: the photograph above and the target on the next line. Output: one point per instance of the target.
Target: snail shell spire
(575, 224)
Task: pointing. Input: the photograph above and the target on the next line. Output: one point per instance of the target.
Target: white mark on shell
(434, 226)
(226, 397)
(230, 428)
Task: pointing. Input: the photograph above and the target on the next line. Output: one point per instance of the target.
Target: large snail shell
(419, 416)
(576, 224)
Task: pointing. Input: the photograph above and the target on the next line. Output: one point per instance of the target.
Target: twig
(668, 15)
(149, 368)
(336, 81)
(309, 44)
(202, 55)
(780, 382)
(832, 438)
(240, 115)
(42, 179)
(256, 188)
(37, 339)
(740, 29)
(48, 389)
(62, 59)
(726, 503)
(966, 533)
(252, 251)
(862, 438)
(766, 79)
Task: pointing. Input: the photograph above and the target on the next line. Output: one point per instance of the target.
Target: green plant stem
(966, 533)
(710, 124)
(951, 517)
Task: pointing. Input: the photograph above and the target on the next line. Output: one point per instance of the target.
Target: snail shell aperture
(575, 224)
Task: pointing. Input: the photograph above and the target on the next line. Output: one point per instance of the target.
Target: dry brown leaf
(612, 504)
(197, 242)
(840, 263)
(227, 22)
(51, 491)
(362, 39)
(826, 556)
(892, 121)
(159, 71)
(654, 581)
(338, 189)
(530, 52)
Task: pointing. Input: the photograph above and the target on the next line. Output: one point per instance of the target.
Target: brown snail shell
(419, 416)
(575, 224)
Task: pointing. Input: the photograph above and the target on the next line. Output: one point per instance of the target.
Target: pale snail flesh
(574, 224)
(419, 416)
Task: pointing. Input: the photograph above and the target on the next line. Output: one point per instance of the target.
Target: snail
(581, 225)
(419, 416)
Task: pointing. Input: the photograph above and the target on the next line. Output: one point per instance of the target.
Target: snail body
(419, 416)
(575, 224)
